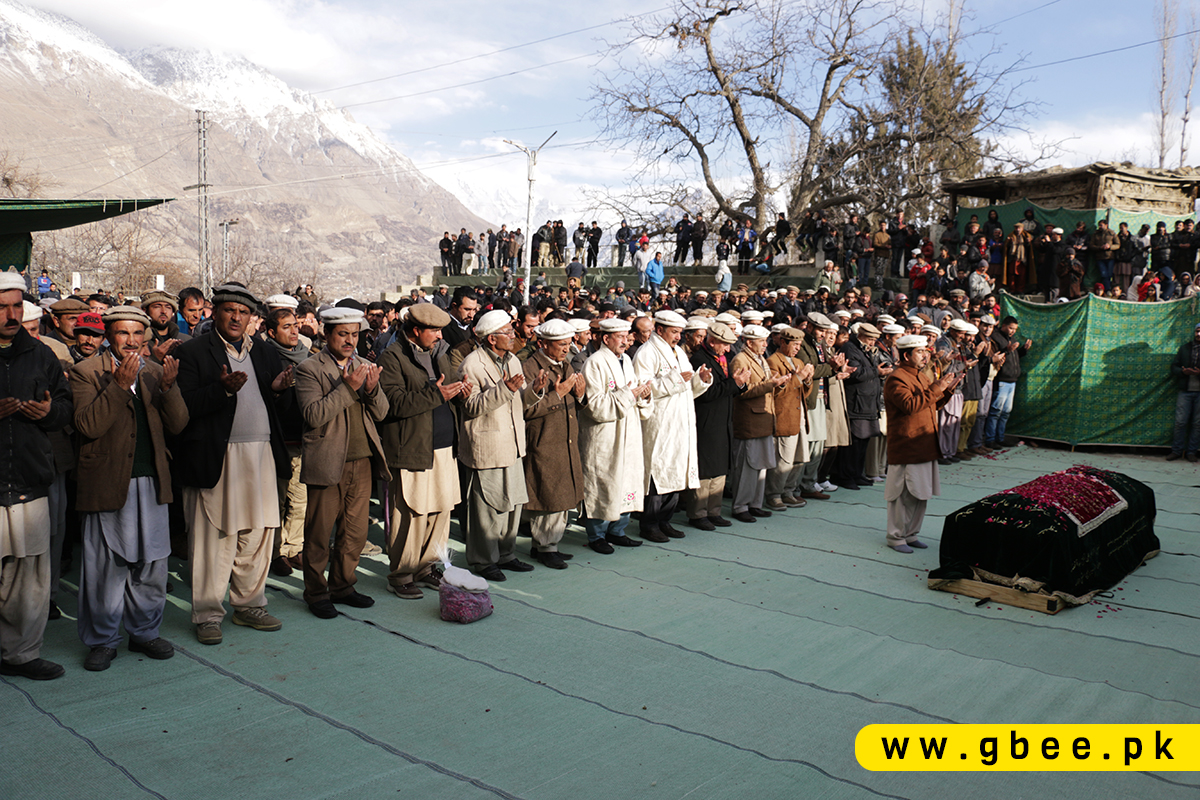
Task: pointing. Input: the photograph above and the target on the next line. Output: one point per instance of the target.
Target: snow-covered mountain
(310, 186)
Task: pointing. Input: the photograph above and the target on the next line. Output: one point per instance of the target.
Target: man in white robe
(610, 440)
(669, 434)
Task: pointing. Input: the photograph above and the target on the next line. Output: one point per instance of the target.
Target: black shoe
(865, 481)
(281, 567)
(720, 521)
(945, 462)
(513, 565)
(37, 670)
(99, 659)
(624, 541)
(954, 459)
(1192, 457)
(744, 516)
(565, 556)
(354, 599)
(671, 530)
(653, 535)
(602, 547)
(760, 512)
(703, 524)
(155, 648)
(492, 574)
(323, 609)
(1174, 456)
(55, 612)
(851, 486)
(552, 560)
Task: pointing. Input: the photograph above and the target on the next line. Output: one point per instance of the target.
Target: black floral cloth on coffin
(1075, 532)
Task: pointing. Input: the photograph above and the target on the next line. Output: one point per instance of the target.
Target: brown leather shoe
(815, 495)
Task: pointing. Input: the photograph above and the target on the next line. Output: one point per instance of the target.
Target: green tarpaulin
(24, 215)
(1099, 370)
(1065, 218)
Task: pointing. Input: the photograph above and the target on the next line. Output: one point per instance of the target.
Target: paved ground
(732, 664)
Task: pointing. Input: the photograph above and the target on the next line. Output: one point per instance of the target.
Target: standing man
(164, 335)
(669, 435)
(911, 404)
(283, 333)
(553, 472)
(953, 356)
(339, 396)
(491, 445)
(610, 440)
(624, 235)
(753, 426)
(714, 426)
(34, 400)
(1005, 340)
(462, 314)
(1186, 368)
(683, 238)
(64, 314)
(235, 456)
(594, 235)
(699, 234)
(791, 422)
(124, 409)
(419, 445)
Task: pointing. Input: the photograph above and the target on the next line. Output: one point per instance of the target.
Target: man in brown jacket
(791, 422)
(912, 404)
(341, 457)
(553, 470)
(753, 426)
(124, 408)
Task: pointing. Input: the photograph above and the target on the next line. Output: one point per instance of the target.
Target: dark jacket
(862, 385)
(1010, 370)
(1183, 359)
(28, 369)
(203, 442)
(714, 415)
(407, 432)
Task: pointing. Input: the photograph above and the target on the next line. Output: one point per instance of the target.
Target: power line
(130, 172)
(1023, 13)
(1105, 52)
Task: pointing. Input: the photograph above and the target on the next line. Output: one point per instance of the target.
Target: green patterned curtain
(1099, 370)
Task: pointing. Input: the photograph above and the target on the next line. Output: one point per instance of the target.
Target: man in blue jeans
(1186, 368)
(1005, 339)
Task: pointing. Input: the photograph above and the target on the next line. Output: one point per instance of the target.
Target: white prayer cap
(555, 330)
(696, 324)
(615, 325)
(854, 328)
(841, 313)
(31, 313)
(932, 330)
(779, 326)
(857, 312)
(752, 316)
(886, 319)
(892, 329)
(342, 316)
(10, 281)
(581, 325)
(911, 342)
(987, 319)
(962, 325)
(1059, 231)
(670, 319)
(971, 329)
(725, 317)
(282, 301)
(755, 332)
(491, 322)
(701, 293)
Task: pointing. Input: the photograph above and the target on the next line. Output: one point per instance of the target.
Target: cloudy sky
(449, 81)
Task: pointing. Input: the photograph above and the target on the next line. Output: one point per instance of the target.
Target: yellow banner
(1028, 748)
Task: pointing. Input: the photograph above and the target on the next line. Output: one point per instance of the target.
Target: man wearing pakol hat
(418, 440)
(163, 335)
(826, 364)
(610, 440)
(339, 396)
(34, 400)
(553, 471)
(669, 434)
(64, 314)
(863, 386)
(580, 349)
(791, 422)
(753, 426)
(235, 456)
(714, 426)
(912, 403)
(89, 336)
(125, 407)
(492, 445)
(951, 354)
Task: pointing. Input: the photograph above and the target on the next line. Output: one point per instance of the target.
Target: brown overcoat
(107, 428)
(753, 409)
(791, 410)
(911, 404)
(553, 469)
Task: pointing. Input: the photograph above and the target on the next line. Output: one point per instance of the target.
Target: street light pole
(533, 154)
(225, 248)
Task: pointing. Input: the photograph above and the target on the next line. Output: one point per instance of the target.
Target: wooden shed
(1170, 192)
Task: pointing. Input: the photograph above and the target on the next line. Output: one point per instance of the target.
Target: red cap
(90, 321)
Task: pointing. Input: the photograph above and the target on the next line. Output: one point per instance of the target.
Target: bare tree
(754, 96)
(1164, 25)
(1193, 45)
(17, 181)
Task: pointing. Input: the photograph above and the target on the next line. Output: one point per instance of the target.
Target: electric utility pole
(528, 254)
